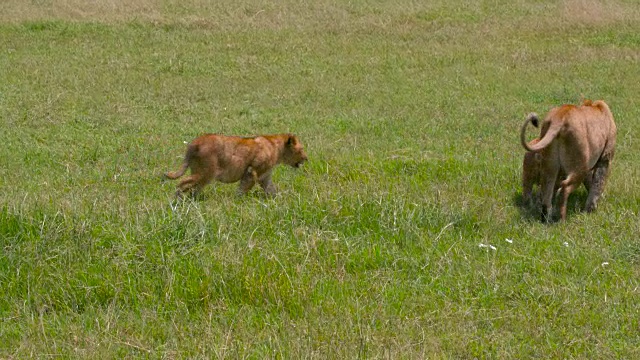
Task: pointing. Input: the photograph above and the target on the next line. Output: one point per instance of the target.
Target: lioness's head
(294, 154)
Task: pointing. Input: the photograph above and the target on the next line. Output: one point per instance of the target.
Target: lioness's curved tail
(551, 133)
(191, 150)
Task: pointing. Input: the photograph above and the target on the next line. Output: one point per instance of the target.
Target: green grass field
(410, 113)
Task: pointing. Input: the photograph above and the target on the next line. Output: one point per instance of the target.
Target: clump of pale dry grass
(405, 16)
(197, 13)
(598, 12)
(15, 11)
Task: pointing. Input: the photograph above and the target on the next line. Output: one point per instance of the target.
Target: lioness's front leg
(267, 184)
(247, 181)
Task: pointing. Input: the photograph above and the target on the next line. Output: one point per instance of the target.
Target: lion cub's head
(293, 153)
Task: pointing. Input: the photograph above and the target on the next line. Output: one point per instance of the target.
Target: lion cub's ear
(291, 140)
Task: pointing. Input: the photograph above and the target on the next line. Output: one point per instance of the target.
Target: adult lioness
(229, 159)
(578, 141)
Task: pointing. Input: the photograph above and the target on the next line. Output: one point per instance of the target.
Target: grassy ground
(410, 114)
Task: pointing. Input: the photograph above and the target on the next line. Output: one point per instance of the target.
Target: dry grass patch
(324, 15)
(16, 11)
(598, 13)
(200, 13)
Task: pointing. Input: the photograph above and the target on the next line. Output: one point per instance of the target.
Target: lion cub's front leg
(247, 181)
(530, 176)
(267, 184)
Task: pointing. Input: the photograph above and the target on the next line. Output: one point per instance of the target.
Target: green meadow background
(410, 113)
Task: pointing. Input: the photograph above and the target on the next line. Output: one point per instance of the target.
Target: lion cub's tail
(550, 135)
(176, 174)
(191, 151)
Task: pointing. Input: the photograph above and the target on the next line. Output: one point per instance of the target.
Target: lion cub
(230, 159)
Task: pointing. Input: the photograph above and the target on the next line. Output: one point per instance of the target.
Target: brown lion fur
(230, 159)
(576, 144)
(531, 176)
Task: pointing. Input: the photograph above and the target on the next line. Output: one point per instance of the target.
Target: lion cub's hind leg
(193, 184)
(247, 181)
(186, 185)
(267, 184)
(190, 185)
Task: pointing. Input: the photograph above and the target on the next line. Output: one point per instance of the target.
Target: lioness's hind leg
(566, 191)
(567, 186)
(588, 180)
(596, 188)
